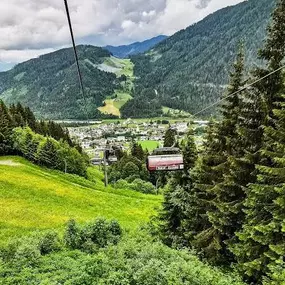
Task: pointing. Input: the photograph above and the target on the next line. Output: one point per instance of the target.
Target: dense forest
(49, 84)
(230, 206)
(190, 69)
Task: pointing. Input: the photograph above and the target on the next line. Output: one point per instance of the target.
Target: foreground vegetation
(99, 253)
(35, 198)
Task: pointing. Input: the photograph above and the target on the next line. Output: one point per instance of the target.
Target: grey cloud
(39, 24)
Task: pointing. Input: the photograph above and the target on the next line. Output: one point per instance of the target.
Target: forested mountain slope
(190, 69)
(49, 84)
(125, 51)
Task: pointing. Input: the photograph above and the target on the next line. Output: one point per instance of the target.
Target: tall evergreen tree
(6, 126)
(262, 240)
(225, 211)
(169, 138)
(176, 197)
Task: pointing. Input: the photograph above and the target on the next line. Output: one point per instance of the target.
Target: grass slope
(123, 94)
(149, 145)
(32, 198)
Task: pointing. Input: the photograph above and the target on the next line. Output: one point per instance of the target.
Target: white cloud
(14, 56)
(28, 26)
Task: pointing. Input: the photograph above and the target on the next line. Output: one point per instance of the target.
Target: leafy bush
(137, 185)
(92, 236)
(134, 260)
(143, 186)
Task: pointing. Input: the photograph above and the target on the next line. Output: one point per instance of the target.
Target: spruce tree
(176, 197)
(6, 126)
(225, 212)
(262, 241)
(169, 138)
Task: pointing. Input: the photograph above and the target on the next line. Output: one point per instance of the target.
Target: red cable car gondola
(165, 159)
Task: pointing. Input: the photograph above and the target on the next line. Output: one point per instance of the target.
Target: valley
(160, 162)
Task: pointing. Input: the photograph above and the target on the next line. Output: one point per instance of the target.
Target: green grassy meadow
(32, 198)
(149, 145)
(123, 94)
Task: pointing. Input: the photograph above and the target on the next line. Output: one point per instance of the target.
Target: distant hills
(190, 69)
(126, 51)
(186, 71)
(49, 84)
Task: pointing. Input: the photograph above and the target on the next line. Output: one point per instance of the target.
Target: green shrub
(71, 235)
(134, 260)
(143, 186)
(90, 237)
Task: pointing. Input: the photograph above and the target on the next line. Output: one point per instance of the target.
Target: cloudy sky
(29, 28)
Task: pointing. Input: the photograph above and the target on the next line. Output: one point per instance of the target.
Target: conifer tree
(169, 138)
(48, 153)
(6, 126)
(176, 197)
(262, 241)
(226, 195)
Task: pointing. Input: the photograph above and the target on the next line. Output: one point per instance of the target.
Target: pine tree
(225, 210)
(137, 151)
(48, 154)
(169, 138)
(176, 197)
(262, 241)
(6, 126)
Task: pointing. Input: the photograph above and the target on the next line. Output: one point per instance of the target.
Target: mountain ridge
(125, 51)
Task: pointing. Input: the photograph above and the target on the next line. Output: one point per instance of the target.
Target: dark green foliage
(190, 69)
(189, 151)
(225, 215)
(129, 167)
(71, 235)
(49, 84)
(23, 116)
(6, 126)
(170, 138)
(137, 151)
(20, 133)
(262, 240)
(176, 196)
(92, 236)
(47, 153)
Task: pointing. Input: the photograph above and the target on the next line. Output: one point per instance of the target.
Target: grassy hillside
(32, 198)
(190, 69)
(123, 93)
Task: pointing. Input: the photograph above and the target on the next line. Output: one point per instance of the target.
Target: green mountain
(49, 84)
(190, 69)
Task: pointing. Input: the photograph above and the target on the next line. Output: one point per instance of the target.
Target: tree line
(45, 143)
(230, 206)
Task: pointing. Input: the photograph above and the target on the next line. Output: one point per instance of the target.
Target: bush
(49, 242)
(89, 238)
(137, 185)
(143, 186)
(135, 260)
